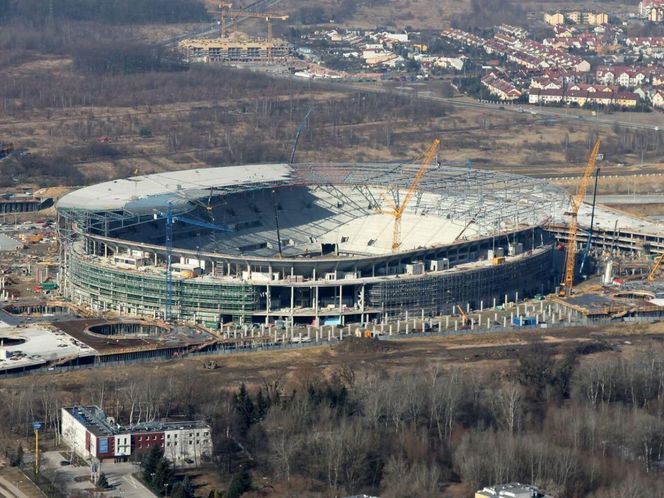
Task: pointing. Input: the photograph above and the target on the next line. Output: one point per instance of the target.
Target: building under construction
(238, 47)
(307, 243)
(235, 48)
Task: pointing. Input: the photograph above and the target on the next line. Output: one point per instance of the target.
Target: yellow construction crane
(570, 258)
(397, 211)
(655, 268)
(464, 318)
(222, 12)
(268, 16)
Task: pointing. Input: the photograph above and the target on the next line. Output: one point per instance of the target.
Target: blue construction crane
(170, 219)
(303, 124)
(590, 232)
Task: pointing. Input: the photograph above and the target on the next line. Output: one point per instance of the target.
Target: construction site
(235, 46)
(270, 256)
(315, 244)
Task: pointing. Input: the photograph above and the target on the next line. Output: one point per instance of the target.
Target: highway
(631, 199)
(538, 112)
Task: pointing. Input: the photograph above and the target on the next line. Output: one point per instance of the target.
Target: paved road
(631, 199)
(548, 113)
(8, 490)
(119, 476)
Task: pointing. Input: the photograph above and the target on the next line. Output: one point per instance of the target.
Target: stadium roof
(143, 194)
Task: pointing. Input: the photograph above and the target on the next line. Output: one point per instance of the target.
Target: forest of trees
(575, 425)
(105, 11)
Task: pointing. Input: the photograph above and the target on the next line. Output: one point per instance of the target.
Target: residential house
(546, 96)
(500, 88)
(657, 99)
(652, 10)
(554, 19)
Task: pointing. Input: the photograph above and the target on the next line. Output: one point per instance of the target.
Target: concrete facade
(91, 434)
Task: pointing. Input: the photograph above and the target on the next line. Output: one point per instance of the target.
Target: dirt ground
(406, 354)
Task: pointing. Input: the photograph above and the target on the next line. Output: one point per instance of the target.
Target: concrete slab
(9, 244)
(35, 345)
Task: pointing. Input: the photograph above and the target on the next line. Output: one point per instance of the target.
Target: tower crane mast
(570, 258)
(398, 210)
(170, 219)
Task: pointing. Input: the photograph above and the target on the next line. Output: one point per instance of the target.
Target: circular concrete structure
(309, 243)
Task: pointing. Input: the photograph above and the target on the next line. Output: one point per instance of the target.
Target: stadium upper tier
(314, 209)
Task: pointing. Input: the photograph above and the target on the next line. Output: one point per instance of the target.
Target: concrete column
(447, 322)
(309, 332)
(494, 303)
(316, 301)
(506, 300)
(456, 325)
(504, 322)
(472, 323)
(398, 326)
(481, 305)
(390, 329)
(467, 307)
(516, 297)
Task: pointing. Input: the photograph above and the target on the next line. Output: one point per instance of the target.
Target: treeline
(105, 11)
(488, 13)
(339, 11)
(574, 425)
(254, 120)
(126, 58)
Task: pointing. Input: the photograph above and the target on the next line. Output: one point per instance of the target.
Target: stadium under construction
(314, 243)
